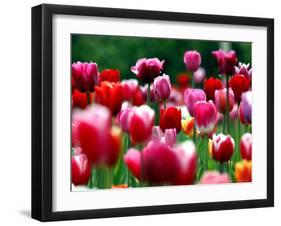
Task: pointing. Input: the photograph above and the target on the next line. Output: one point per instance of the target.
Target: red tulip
(220, 100)
(170, 118)
(239, 84)
(80, 169)
(222, 147)
(183, 80)
(110, 75)
(80, 99)
(192, 60)
(205, 115)
(93, 132)
(109, 95)
(85, 76)
(210, 86)
(138, 99)
(214, 177)
(246, 146)
(226, 61)
(132, 159)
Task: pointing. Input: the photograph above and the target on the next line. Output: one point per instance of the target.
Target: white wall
(15, 102)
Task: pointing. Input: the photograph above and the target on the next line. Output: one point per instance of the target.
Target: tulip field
(149, 123)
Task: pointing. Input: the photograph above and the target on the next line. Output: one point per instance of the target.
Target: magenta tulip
(162, 87)
(226, 61)
(148, 69)
(245, 108)
(80, 169)
(199, 75)
(85, 76)
(214, 177)
(246, 146)
(222, 147)
(221, 99)
(192, 60)
(244, 69)
(192, 96)
(205, 115)
(169, 137)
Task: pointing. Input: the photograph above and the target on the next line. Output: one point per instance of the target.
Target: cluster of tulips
(148, 132)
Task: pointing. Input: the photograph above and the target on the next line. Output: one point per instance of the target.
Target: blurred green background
(122, 52)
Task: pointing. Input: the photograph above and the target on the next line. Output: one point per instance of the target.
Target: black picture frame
(42, 111)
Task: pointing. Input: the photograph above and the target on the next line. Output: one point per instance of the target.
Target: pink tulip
(214, 177)
(244, 69)
(222, 147)
(80, 169)
(226, 61)
(85, 76)
(220, 100)
(169, 137)
(129, 87)
(191, 96)
(162, 87)
(199, 75)
(234, 113)
(132, 159)
(147, 69)
(205, 115)
(245, 108)
(192, 60)
(246, 146)
(123, 117)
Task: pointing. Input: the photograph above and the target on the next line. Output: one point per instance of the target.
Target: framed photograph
(146, 112)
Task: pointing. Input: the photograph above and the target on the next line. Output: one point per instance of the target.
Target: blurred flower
(129, 87)
(132, 159)
(245, 108)
(226, 61)
(147, 69)
(183, 80)
(169, 137)
(110, 75)
(170, 118)
(210, 85)
(80, 169)
(140, 122)
(234, 113)
(239, 84)
(162, 87)
(246, 146)
(123, 118)
(214, 177)
(176, 97)
(205, 115)
(144, 92)
(199, 75)
(187, 126)
(191, 96)
(80, 100)
(192, 60)
(109, 95)
(243, 171)
(93, 132)
(220, 100)
(222, 147)
(244, 69)
(85, 76)
(138, 99)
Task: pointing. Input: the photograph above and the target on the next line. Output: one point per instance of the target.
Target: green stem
(127, 170)
(221, 167)
(227, 105)
(206, 153)
(224, 122)
(142, 169)
(192, 80)
(91, 178)
(88, 97)
(165, 104)
(194, 134)
(148, 95)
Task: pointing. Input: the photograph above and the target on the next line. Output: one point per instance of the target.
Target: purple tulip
(226, 61)
(147, 69)
(199, 75)
(85, 76)
(245, 108)
(162, 87)
(191, 96)
(244, 69)
(192, 60)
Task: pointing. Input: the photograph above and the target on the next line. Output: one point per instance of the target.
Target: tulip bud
(210, 85)
(187, 126)
(80, 169)
(129, 88)
(199, 75)
(80, 100)
(245, 108)
(192, 60)
(214, 177)
(191, 96)
(222, 148)
(220, 100)
(244, 69)
(162, 87)
(243, 171)
(170, 118)
(246, 146)
(239, 84)
(110, 75)
(226, 61)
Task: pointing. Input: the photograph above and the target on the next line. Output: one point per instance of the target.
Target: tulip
(199, 75)
(220, 100)
(129, 87)
(123, 118)
(226, 61)
(144, 91)
(80, 169)
(162, 87)
(176, 98)
(187, 126)
(191, 96)
(192, 60)
(246, 146)
(93, 132)
(244, 69)
(210, 85)
(132, 159)
(183, 80)
(85, 76)
(245, 108)
(239, 84)
(109, 95)
(243, 171)
(170, 118)
(140, 122)
(214, 177)
(234, 113)
(138, 99)
(169, 137)
(222, 147)
(147, 69)
(110, 75)
(80, 100)
(205, 115)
